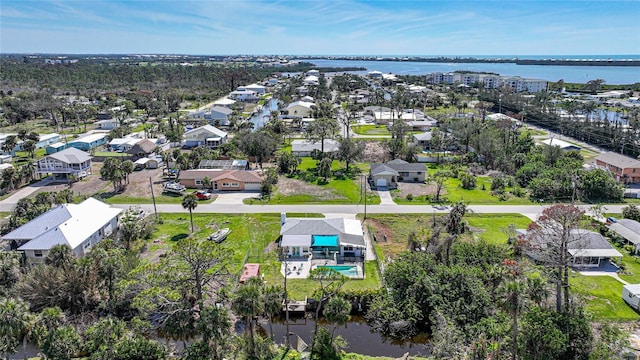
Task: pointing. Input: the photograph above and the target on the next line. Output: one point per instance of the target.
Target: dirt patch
(374, 152)
(287, 187)
(381, 233)
(138, 186)
(416, 190)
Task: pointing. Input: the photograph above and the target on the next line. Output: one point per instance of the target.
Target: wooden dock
(295, 306)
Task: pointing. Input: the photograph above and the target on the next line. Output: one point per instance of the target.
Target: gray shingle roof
(401, 165)
(335, 226)
(71, 156)
(628, 229)
(382, 169)
(618, 160)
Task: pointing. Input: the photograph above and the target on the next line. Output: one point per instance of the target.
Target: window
(419, 173)
(37, 253)
(198, 182)
(87, 244)
(235, 184)
(224, 184)
(348, 248)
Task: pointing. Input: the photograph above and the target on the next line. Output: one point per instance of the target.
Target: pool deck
(300, 269)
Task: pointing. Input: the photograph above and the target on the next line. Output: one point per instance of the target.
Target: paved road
(356, 209)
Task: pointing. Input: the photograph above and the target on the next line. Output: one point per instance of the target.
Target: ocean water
(575, 74)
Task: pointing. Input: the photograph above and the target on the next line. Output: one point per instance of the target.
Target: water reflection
(360, 337)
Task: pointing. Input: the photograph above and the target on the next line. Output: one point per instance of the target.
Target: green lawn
(602, 297)
(399, 226)
(347, 191)
(492, 226)
(631, 272)
(453, 192)
(249, 233)
(162, 198)
(371, 130)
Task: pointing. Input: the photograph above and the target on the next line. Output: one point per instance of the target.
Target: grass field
(493, 226)
(602, 297)
(371, 130)
(250, 234)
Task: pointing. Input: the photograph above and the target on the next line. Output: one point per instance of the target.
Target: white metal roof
(594, 253)
(85, 219)
(633, 288)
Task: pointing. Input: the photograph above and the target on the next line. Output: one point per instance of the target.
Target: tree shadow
(179, 237)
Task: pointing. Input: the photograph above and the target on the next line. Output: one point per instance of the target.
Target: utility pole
(155, 209)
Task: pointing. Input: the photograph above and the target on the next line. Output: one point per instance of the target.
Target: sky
(321, 27)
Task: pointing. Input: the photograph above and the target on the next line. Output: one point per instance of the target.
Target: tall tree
(550, 238)
(190, 202)
(320, 130)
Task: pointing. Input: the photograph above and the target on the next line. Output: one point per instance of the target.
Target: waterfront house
(629, 230)
(300, 109)
(335, 238)
(79, 226)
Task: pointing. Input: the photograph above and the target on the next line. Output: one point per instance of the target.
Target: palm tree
(513, 302)
(272, 298)
(337, 312)
(247, 303)
(15, 323)
(190, 202)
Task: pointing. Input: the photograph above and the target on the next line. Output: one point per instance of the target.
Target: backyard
(252, 238)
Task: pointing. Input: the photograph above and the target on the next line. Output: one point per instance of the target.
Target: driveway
(9, 203)
(233, 198)
(385, 197)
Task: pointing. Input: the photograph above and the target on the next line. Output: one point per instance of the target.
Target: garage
(381, 183)
(252, 186)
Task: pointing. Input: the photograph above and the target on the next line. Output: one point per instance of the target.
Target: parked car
(202, 195)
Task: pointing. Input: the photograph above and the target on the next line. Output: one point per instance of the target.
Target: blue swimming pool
(346, 270)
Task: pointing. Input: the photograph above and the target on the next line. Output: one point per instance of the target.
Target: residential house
(311, 80)
(300, 109)
(216, 115)
(563, 145)
(629, 230)
(306, 147)
(222, 180)
(258, 89)
(107, 124)
(123, 144)
(625, 169)
(79, 226)
(224, 164)
(421, 125)
(206, 135)
(142, 148)
(55, 147)
(336, 238)
(585, 248)
(64, 164)
(88, 142)
(387, 175)
(47, 139)
(244, 95)
(375, 74)
(219, 115)
(6, 159)
(423, 140)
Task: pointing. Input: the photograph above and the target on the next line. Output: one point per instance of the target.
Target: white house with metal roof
(79, 226)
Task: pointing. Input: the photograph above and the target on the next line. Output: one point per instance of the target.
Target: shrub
(498, 184)
(468, 181)
(409, 197)
(629, 249)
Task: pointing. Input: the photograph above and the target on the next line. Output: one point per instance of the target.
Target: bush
(498, 184)
(409, 197)
(629, 249)
(468, 181)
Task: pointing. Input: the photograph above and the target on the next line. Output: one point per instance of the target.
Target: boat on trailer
(220, 235)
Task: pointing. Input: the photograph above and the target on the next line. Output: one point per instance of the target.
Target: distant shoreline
(469, 60)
